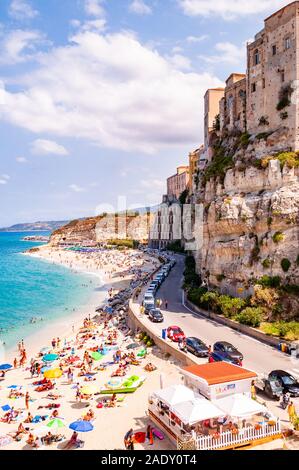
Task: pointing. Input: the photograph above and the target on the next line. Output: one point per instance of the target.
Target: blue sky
(101, 99)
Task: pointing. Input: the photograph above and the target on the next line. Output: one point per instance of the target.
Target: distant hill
(48, 226)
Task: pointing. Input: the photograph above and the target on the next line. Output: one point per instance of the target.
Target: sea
(34, 292)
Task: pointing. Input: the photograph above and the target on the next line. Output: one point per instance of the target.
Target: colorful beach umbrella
(6, 408)
(50, 357)
(89, 389)
(53, 374)
(96, 356)
(5, 366)
(81, 426)
(56, 424)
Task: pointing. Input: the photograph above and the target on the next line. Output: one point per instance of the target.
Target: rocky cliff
(251, 217)
(94, 230)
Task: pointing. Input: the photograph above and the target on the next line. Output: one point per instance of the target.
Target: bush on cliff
(230, 306)
(251, 316)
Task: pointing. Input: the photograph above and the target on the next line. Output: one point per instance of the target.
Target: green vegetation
(245, 139)
(176, 247)
(285, 264)
(183, 197)
(269, 281)
(191, 278)
(219, 164)
(266, 263)
(216, 123)
(123, 244)
(287, 330)
(220, 277)
(251, 316)
(230, 306)
(278, 237)
(291, 159)
(264, 121)
(284, 96)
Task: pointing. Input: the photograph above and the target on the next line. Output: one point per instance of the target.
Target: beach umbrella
(89, 389)
(53, 374)
(97, 356)
(45, 368)
(14, 387)
(81, 426)
(5, 366)
(50, 357)
(56, 424)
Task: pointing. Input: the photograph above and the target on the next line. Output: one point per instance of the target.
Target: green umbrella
(56, 424)
(96, 356)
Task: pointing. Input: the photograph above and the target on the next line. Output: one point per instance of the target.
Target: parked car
(156, 316)
(227, 351)
(216, 357)
(287, 381)
(148, 306)
(175, 333)
(270, 386)
(148, 296)
(197, 347)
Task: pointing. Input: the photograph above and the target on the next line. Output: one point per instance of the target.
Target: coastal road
(258, 357)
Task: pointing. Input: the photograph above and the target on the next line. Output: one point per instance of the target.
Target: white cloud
(97, 25)
(180, 62)
(228, 53)
(76, 188)
(94, 8)
(21, 9)
(21, 160)
(47, 147)
(152, 183)
(140, 7)
(112, 91)
(229, 9)
(196, 39)
(4, 179)
(19, 46)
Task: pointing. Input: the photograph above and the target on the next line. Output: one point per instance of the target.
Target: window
(287, 43)
(264, 83)
(274, 49)
(253, 87)
(256, 57)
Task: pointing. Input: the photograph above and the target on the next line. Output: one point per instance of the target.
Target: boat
(128, 386)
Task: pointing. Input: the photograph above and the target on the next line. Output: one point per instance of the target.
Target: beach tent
(239, 406)
(194, 411)
(174, 395)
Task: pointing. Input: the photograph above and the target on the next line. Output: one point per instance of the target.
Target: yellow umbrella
(89, 389)
(53, 374)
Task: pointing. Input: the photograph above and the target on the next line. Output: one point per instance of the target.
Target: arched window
(256, 57)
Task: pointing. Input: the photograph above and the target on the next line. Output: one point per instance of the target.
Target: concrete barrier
(136, 323)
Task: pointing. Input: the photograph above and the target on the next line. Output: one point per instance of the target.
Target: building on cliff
(178, 183)
(264, 100)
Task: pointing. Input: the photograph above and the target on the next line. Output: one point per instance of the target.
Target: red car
(175, 333)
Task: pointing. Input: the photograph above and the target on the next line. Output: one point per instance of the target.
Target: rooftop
(220, 372)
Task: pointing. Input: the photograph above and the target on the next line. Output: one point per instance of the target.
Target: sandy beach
(115, 270)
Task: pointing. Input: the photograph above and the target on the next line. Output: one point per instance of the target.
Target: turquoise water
(30, 287)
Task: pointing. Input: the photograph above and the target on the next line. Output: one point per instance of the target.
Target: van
(148, 297)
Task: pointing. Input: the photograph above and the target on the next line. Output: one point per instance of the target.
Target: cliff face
(251, 225)
(102, 228)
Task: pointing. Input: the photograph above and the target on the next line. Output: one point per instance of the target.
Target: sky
(101, 100)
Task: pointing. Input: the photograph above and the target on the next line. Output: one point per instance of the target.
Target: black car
(287, 381)
(197, 347)
(227, 351)
(156, 316)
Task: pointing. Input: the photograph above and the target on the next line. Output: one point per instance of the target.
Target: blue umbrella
(5, 366)
(45, 368)
(50, 357)
(14, 387)
(81, 426)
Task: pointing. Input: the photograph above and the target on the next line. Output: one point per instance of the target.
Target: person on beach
(150, 435)
(127, 438)
(53, 343)
(15, 363)
(27, 399)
